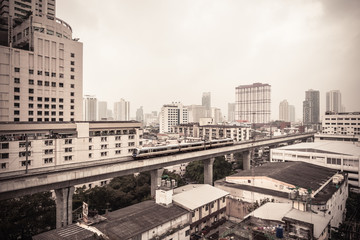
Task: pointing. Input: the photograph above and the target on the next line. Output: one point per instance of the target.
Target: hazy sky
(155, 52)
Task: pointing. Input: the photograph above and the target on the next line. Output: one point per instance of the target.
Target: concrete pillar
(64, 197)
(246, 160)
(208, 171)
(155, 180)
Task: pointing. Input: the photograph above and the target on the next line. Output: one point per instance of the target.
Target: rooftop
(271, 211)
(301, 174)
(330, 147)
(253, 85)
(195, 196)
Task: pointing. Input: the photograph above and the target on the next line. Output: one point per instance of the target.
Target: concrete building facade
(311, 107)
(54, 144)
(341, 124)
(41, 67)
(252, 103)
(231, 112)
(172, 115)
(102, 111)
(284, 111)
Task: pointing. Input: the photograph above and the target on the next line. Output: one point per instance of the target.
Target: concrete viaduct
(62, 179)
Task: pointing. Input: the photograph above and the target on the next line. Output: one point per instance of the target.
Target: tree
(24, 217)
(256, 204)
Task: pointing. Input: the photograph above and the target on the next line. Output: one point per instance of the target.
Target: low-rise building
(210, 132)
(206, 204)
(308, 188)
(52, 144)
(343, 156)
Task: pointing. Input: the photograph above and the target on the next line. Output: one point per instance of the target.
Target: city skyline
(162, 52)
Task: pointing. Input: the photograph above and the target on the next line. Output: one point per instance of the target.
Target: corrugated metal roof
(198, 196)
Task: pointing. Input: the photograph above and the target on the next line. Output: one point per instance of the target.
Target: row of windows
(40, 113)
(45, 119)
(40, 83)
(17, 97)
(40, 106)
(342, 119)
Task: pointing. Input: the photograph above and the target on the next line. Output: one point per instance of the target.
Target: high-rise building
(40, 64)
(231, 112)
(140, 114)
(172, 115)
(311, 107)
(206, 102)
(216, 115)
(90, 108)
(252, 103)
(102, 110)
(284, 111)
(291, 113)
(333, 101)
(151, 119)
(122, 110)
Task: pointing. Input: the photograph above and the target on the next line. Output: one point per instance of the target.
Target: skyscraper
(171, 115)
(90, 108)
(284, 111)
(231, 112)
(140, 114)
(291, 113)
(206, 102)
(311, 107)
(333, 101)
(41, 65)
(102, 110)
(122, 110)
(252, 103)
(196, 112)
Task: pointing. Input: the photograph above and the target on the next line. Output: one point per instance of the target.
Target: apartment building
(44, 145)
(347, 123)
(41, 65)
(210, 132)
(252, 103)
(171, 115)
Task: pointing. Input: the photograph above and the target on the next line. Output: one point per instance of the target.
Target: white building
(231, 112)
(206, 102)
(292, 113)
(284, 111)
(90, 108)
(122, 110)
(216, 115)
(41, 66)
(253, 103)
(171, 115)
(308, 188)
(333, 101)
(206, 203)
(53, 144)
(341, 123)
(196, 112)
(210, 132)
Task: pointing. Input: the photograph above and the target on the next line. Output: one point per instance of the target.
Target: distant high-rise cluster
(41, 64)
(140, 114)
(102, 111)
(311, 107)
(286, 111)
(252, 103)
(231, 112)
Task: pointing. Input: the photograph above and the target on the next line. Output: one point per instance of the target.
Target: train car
(147, 152)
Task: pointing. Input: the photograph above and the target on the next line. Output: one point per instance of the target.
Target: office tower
(291, 113)
(231, 112)
(311, 107)
(284, 111)
(122, 110)
(252, 103)
(206, 102)
(171, 115)
(90, 108)
(140, 114)
(196, 112)
(102, 110)
(41, 64)
(216, 115)
(333, 101)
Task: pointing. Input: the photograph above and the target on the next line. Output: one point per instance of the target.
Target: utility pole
(26, 153)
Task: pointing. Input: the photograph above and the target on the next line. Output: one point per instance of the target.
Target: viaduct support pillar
(246, 159)
(208, 171)
(64, 198)
(155, 180)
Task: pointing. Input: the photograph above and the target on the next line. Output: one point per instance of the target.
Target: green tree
(21, 218)
(172, 175)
